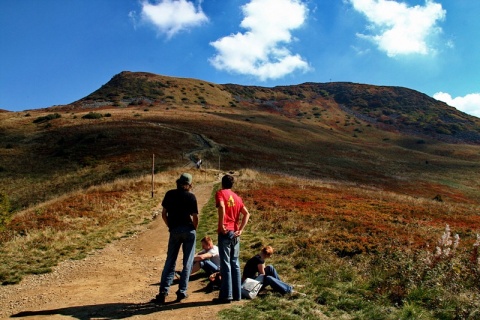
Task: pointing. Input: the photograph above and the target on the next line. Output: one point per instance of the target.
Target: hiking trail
(116, 282)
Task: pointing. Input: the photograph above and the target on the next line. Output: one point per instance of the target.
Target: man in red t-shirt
(232, 219)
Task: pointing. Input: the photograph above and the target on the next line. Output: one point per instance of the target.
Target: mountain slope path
(116, 282)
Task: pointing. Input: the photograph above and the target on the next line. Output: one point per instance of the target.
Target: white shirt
(215, 256)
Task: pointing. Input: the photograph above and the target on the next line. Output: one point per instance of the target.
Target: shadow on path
(112, 310)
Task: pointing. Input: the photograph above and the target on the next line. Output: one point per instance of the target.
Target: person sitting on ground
(208, 258)
(256, 267)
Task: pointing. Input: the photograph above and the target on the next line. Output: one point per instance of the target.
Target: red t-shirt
(233, 205)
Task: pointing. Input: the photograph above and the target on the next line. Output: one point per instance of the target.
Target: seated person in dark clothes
(256, 266)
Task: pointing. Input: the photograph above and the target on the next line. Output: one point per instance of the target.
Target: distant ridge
(389, 107)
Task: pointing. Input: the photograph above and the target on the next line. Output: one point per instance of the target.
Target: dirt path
(116, 282)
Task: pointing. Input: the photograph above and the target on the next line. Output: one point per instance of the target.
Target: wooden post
(153, 171)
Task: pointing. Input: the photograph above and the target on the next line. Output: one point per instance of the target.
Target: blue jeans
(208, 266)
(229, 251)
(180, 237)
(273, 280)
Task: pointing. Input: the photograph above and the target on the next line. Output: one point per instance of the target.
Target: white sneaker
(295, 293)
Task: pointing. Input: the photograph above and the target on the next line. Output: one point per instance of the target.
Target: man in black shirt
(180, 214)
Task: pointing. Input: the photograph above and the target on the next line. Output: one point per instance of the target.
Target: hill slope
(392, 108)
(332, 179)
(338, 131)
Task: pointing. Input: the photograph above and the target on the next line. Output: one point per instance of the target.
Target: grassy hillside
(359, 253)
(42, 160)
(350, 191)
(391, 108)
(356, 252)
(115, 131)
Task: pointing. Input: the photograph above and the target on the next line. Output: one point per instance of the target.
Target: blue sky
(55, 52)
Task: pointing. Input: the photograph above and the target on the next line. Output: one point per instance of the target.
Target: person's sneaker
(160, 298)
(296, 294)
(221, 301)
(181, 296)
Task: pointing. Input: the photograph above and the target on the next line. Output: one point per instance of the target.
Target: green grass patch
(208, 219)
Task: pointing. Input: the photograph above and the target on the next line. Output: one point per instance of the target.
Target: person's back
(250, 270)
(230, 208)
(233, 206)
(180, 215)
(179, 203)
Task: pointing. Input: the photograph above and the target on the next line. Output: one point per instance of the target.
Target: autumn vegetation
(362, 254)
(370, 195)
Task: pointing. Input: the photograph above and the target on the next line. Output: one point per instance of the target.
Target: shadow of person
(112, 310)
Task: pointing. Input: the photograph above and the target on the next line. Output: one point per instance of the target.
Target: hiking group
(180, 214)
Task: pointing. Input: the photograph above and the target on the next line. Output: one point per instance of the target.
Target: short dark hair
(183, 186)
(227, 181)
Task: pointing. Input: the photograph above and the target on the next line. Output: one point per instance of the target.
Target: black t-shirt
(180, 205)
(251, 267)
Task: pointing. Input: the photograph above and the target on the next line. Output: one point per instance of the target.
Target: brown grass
(71, 226)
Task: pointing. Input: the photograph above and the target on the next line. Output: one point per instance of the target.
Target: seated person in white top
(208, 258)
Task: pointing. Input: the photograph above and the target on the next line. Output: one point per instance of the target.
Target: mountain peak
(389, 107)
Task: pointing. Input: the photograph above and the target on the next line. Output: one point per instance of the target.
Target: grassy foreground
(358, 253)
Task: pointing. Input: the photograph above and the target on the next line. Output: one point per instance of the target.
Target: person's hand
(222, 230)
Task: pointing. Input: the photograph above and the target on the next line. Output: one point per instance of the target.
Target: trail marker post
(153, 171)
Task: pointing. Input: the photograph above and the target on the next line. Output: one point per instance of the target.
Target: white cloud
(398, 29)
(261, 50)
(173, 16)
(469, 104)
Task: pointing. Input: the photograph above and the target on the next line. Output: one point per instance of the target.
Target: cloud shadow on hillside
(112, 310)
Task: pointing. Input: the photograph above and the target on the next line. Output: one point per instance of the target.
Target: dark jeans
(179, 237)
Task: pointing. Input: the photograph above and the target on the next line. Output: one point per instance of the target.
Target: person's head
(185, 181)
(267, 251)
(207, 243)
(227, 181)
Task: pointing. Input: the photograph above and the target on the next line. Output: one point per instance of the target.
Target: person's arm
(164, 216)
(195, 221)
(221, 216)
(245, 217)
(203, 256)
(261, 268)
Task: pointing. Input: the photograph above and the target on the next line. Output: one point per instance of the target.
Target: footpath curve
(116, 282)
